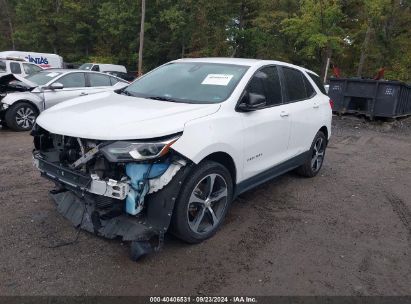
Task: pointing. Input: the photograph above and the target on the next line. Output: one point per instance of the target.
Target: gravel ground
(345, 232)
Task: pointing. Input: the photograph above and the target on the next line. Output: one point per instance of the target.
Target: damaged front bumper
(81, 182)
(101, 206)
(82, 212)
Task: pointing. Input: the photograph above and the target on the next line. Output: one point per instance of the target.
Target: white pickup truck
(18, 67)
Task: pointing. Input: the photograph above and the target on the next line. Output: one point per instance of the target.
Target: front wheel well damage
(226, 160)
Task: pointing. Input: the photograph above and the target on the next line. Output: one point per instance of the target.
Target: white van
(18, 67)
(103, 67)
(44, 60)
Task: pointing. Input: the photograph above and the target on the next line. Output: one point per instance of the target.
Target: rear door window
(295, 86)
(15, 68)
(73, 80)
(99, 80)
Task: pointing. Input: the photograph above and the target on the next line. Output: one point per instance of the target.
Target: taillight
(331, 104)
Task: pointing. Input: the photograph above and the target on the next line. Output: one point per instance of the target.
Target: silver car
(22, 99)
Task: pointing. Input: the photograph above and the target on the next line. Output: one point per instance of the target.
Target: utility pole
(326, 69)
(140, 52)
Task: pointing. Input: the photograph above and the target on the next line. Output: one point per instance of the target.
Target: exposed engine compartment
(67, 150)
(79, 165)
(10, 83)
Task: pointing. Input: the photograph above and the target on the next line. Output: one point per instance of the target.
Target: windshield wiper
(162, 98)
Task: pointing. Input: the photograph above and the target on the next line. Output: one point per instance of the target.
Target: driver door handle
(83, 94)
(284, 114)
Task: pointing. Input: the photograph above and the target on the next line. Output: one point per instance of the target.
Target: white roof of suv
(243, 61)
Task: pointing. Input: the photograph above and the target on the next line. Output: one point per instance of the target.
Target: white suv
(176, 146)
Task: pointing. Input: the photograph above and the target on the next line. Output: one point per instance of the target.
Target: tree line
(359, 36)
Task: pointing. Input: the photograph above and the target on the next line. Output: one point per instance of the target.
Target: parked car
(45, 60)
(17, 66)
(22, 99)
(179, 144)
(103, 67)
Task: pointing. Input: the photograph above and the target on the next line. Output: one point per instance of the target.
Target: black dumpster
(373, 98)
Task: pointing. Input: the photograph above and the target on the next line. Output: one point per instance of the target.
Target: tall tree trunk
(364, 49)
(239, 43)
(327, 53)
(10, 23)
(140, 51)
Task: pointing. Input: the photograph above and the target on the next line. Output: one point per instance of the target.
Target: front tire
(314, 162)
(203, 202)
(21, 116)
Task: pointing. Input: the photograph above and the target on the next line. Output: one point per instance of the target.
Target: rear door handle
(316, 106)
(83, 94)
(284, 114)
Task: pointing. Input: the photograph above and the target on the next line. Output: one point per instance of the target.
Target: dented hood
(111, 116)
(10, 81)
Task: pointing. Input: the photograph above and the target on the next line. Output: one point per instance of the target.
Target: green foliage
(316, 31)
(303, 32)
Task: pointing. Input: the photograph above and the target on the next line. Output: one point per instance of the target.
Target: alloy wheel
(318, 154)
(207, 203)
(25, 117)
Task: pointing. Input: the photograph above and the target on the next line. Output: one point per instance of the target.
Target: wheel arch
(324, 129)
(226, 160)
(26, 101)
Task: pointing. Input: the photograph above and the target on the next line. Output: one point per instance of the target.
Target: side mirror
(251, 102)
(56, 86)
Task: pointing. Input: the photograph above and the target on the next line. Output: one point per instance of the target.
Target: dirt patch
(345, 232)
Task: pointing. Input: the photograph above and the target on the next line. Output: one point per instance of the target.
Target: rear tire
(203, 202)
(315, 159)
(21, 116)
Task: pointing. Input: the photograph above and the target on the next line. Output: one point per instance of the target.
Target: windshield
(189, 82)
(86, 66)
(43, 77)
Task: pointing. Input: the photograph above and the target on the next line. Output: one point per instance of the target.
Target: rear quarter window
(318, 82)
(308, 87)
(113, 80)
